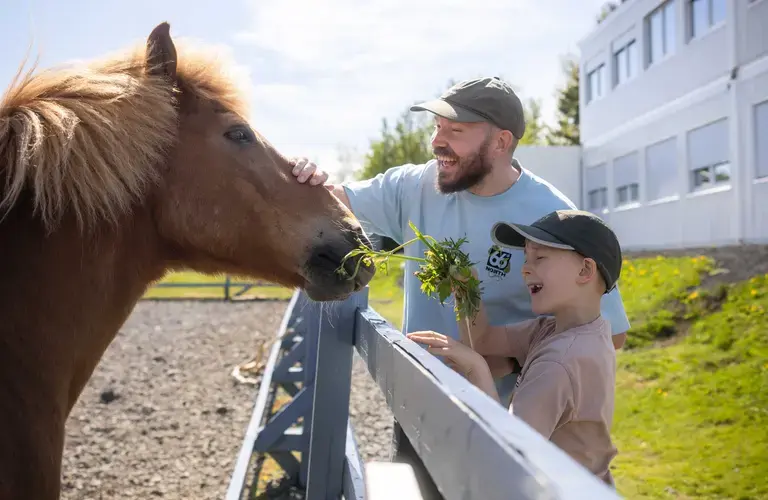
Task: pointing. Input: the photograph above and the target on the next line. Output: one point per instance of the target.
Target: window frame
(664, 11)
(599, 72)
(710, 23)
(630, 63)
(603, 192)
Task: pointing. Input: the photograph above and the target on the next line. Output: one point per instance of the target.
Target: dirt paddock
(163, 418)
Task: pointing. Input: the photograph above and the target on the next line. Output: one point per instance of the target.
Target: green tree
(534, 126)
(408, 142)
(606, 10)
(566, 132)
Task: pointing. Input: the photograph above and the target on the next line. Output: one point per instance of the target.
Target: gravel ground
(370, 416)
(162, 417)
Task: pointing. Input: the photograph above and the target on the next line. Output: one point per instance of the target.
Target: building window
(626, 179)
(708, 155)
(597, 189)
(627, 194)
(661, 31)
(596, 83)
(704, 14)
(761, 139)
(598, 199)
(661, 174)
(625, 62)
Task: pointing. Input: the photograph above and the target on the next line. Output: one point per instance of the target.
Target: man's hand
(459, 356)
(304, 169)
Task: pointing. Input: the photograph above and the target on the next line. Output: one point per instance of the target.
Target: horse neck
(64, 296)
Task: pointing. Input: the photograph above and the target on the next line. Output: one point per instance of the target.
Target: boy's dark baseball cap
(488, 99)
(577, 230)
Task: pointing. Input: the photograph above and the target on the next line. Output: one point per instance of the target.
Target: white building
(674, 122)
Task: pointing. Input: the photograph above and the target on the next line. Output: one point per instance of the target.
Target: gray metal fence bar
(312, 312)
(237, 481)
(330, 409)
(354, 469)
(472, 447)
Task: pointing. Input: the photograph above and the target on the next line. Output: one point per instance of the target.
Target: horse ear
(161, 52)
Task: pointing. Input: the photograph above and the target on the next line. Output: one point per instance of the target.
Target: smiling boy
(566, 388)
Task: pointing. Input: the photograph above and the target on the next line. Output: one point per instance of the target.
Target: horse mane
(91, 137)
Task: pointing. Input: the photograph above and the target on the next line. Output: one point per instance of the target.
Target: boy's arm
(544, 397)
(498, 341)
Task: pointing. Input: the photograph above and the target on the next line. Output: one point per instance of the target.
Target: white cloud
(327, 72)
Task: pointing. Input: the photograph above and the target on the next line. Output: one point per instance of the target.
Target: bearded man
(473, 182)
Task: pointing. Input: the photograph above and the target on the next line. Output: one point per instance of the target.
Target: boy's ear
(588, 271)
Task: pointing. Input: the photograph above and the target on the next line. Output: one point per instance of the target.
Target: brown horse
(111, 174)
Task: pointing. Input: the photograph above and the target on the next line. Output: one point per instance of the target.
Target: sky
(323, 74)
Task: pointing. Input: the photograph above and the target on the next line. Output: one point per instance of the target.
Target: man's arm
(544, 398)
(618, 340)
(612, 309)
(379, 202)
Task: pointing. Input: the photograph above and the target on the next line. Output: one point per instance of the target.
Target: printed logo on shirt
(498, 261)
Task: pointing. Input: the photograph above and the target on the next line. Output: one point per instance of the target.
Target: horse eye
(239, 135)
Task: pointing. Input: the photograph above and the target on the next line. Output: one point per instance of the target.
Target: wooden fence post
(330, 405)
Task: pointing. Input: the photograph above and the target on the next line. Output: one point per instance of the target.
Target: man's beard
(469, 170)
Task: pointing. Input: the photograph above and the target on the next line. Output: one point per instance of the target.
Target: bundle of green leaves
(443, 270)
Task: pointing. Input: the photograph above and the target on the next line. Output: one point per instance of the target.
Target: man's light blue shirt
(386, 203)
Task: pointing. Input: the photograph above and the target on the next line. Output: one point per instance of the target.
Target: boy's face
(555, 277)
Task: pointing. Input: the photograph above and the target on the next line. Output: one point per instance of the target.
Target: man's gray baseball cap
(488, 99)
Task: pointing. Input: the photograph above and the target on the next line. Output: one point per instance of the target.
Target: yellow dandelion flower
(693, 295)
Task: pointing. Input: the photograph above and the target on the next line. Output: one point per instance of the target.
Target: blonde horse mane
(92, 137)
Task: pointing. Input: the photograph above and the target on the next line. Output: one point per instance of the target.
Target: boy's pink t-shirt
(566, 388)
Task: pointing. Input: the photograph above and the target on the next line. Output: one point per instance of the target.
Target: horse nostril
(357, 236)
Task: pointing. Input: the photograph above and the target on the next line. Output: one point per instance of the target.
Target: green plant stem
(440, 271)
(469, 332)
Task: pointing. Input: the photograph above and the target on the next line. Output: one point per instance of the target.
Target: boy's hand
(459, 356)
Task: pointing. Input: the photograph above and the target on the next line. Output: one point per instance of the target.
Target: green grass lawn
(214, 288)
(385, 294)
(691, 418)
